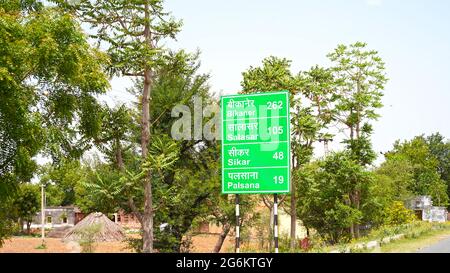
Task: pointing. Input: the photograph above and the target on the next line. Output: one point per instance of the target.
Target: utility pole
(43, 214)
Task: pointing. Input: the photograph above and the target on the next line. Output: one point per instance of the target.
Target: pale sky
(412, 37)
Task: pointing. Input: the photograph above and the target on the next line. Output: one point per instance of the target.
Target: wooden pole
(237, 225)
(43, 214)
(275, 221)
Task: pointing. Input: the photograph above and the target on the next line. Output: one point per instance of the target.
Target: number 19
(278, 179)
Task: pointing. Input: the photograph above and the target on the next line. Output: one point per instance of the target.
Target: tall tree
(183, 192)
(48, 77)
(132, 31)
(324, 195)
(360, 78)
(187, 180)
(60, 181)
(424, 169)
(391, 183)
(26, 204)
(440, 148)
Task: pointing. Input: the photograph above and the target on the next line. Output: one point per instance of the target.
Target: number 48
(278, 156)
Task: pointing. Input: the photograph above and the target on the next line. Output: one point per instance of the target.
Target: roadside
(406, 238)
(433, 242)
(442, 247)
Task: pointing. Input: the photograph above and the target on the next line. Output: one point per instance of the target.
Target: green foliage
(41, 246)
(131, 31)
(26, 203)
(7, 220)
(410, 169)
(47, 72)
(423, 172)
(311, 97)
(412, 229)
(61, 180)
(398, 171)
(182, 192)
(440, 149)
(312, 93)
(135, 244)
(274, 75)
(184, 173)
(360, 79)
(325, 192)
(100, 190)
(20, 202)
(391, 182)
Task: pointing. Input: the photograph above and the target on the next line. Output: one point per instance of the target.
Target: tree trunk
(147, 216)
(20, 222)
(119, 157)
(223, 235)
(293, 214)
(28, 227)
(357, 205)
(352, 230)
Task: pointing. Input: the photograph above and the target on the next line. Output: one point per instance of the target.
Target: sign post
(238, 236)
(256, 145)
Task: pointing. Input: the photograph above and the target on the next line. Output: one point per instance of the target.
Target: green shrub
(135, 244)
(87, 238)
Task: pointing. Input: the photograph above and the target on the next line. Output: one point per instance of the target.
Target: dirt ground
(204, 243)
(28, 245)
(200, 243)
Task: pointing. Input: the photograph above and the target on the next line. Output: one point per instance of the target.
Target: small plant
(134, 244)
(87, 238)
(41, 246)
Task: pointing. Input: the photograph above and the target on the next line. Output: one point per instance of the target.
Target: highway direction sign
(256, 143)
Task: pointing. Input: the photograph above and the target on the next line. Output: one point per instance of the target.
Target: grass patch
(416, 235)
(41, 246)
(413, 244)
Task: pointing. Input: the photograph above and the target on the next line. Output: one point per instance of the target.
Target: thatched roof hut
(102, 229)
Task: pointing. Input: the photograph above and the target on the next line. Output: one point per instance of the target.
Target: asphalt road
(441, 247)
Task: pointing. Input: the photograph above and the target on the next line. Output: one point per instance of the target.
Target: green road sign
(256, 143)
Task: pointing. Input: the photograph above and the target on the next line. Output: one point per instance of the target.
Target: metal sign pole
(237, 225)
(275, 221)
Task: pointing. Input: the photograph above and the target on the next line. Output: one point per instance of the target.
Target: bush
(396, 214)
(87, 238)
(135, 244)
